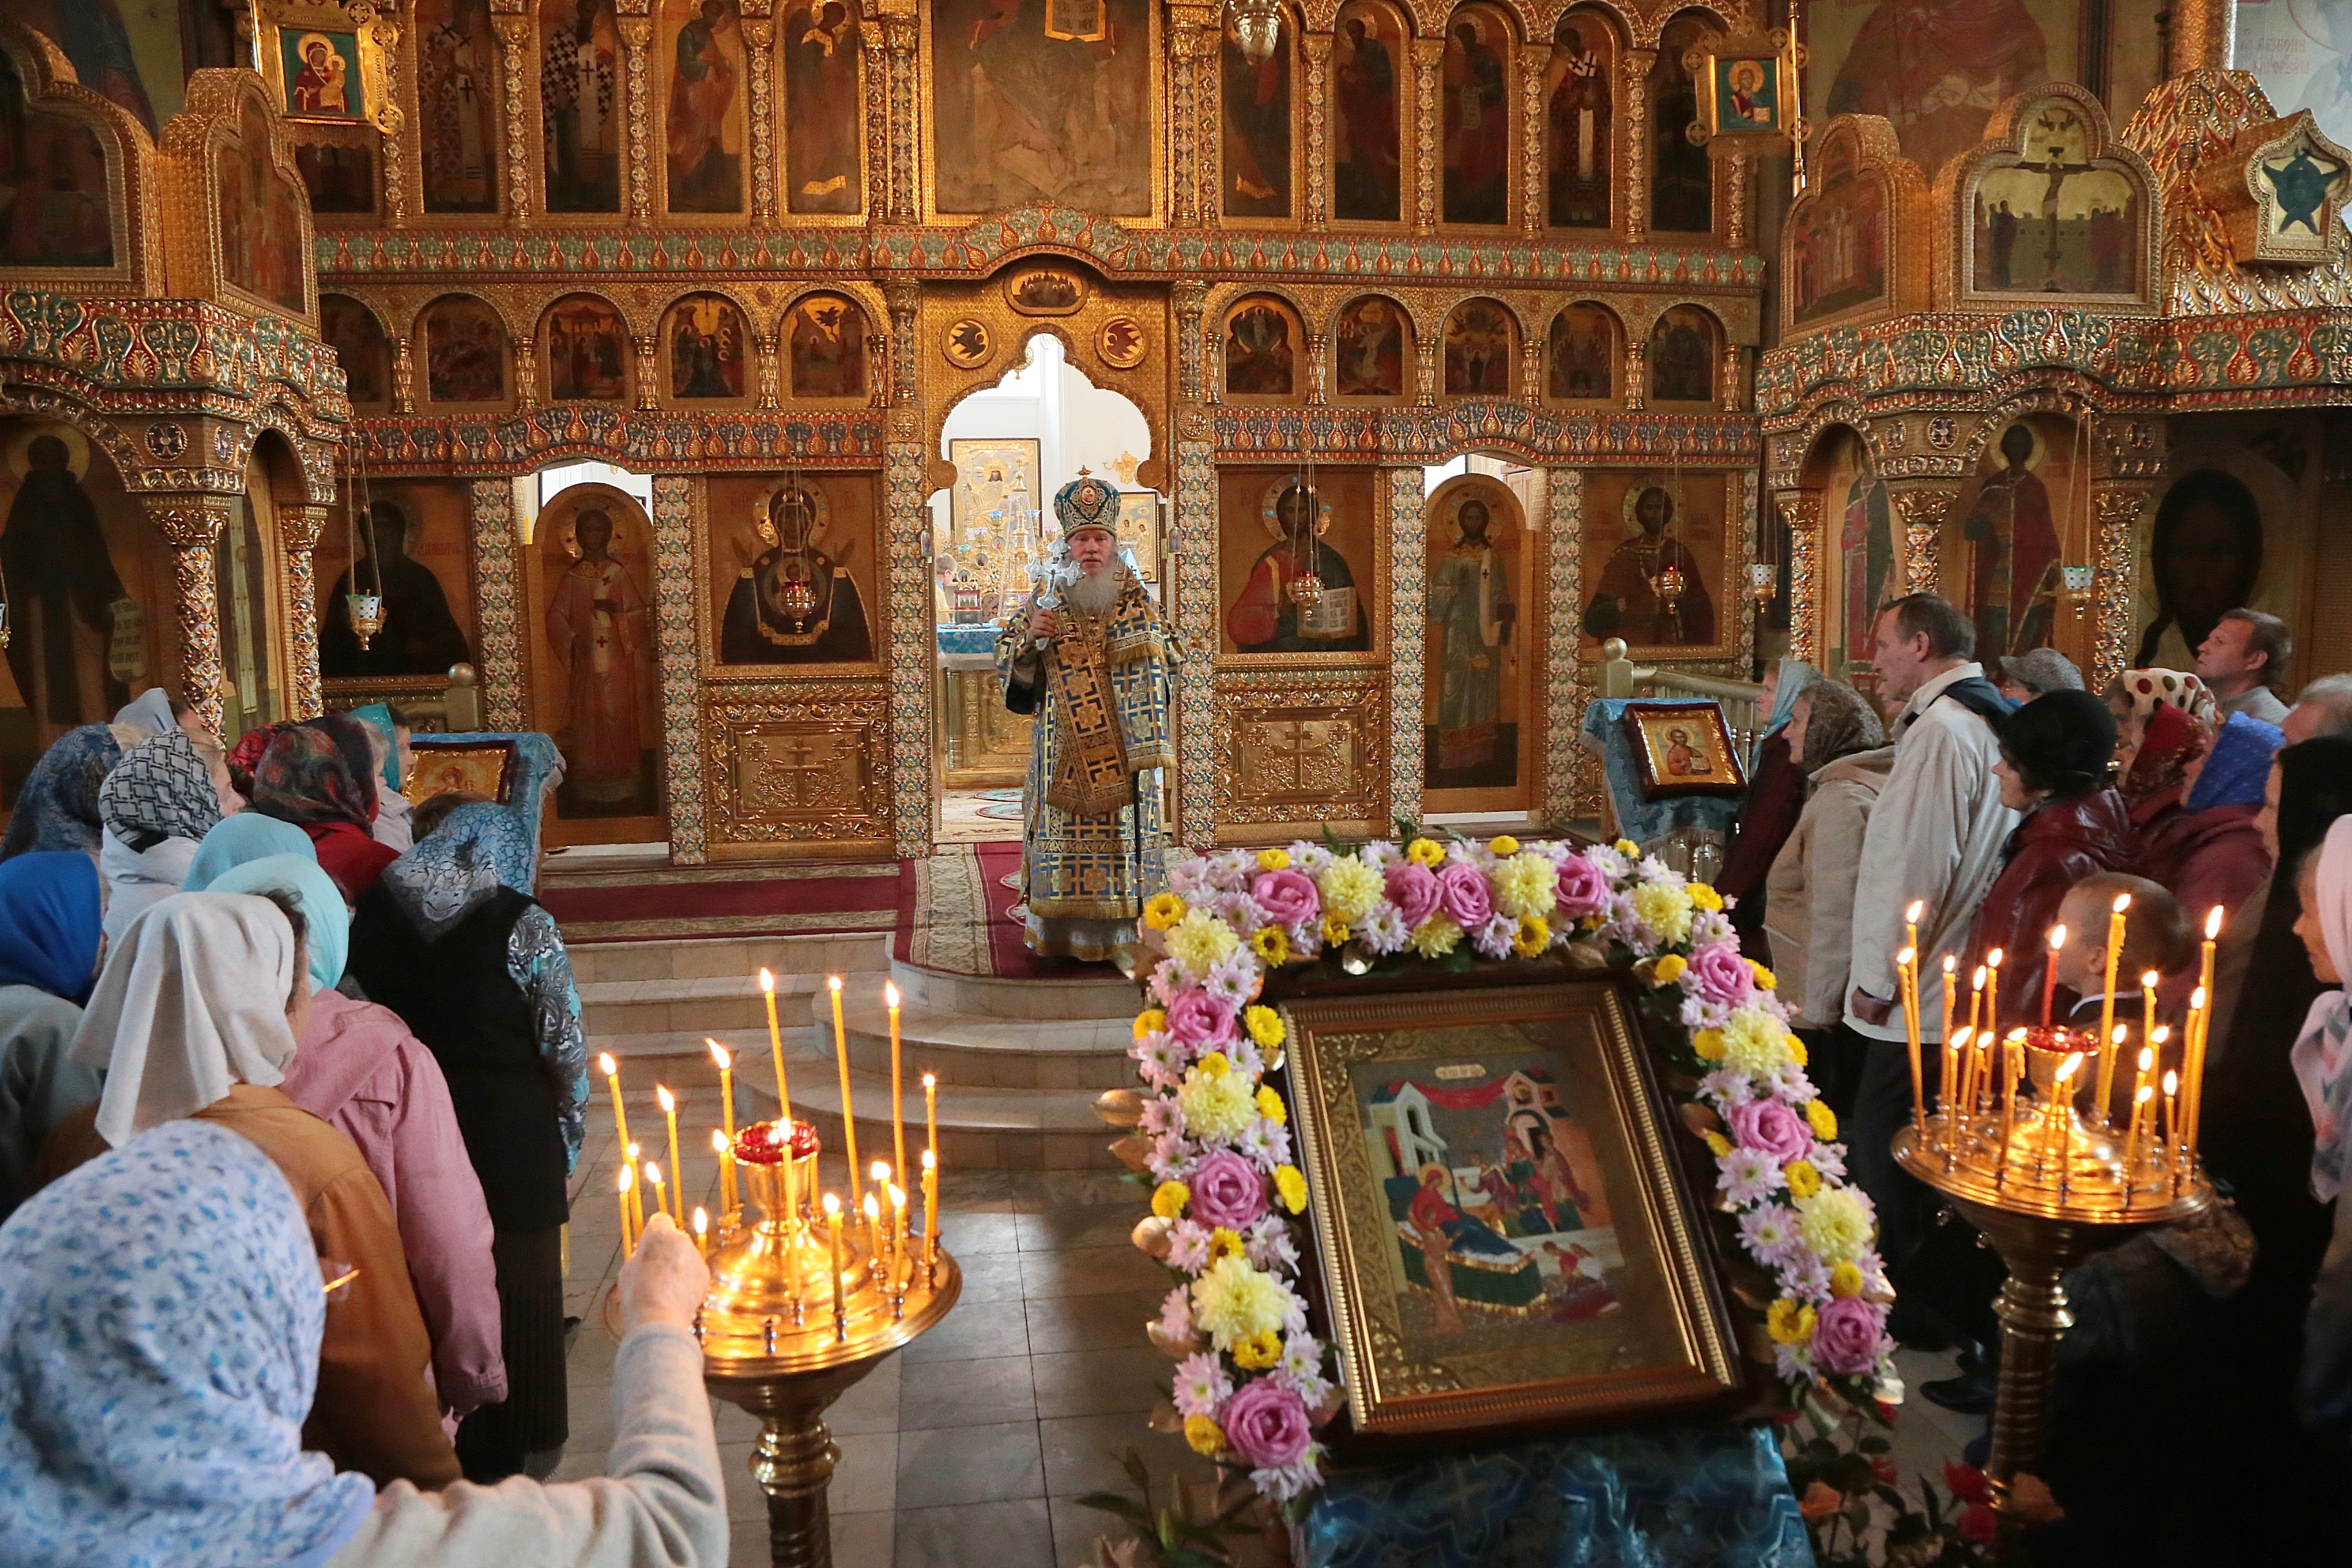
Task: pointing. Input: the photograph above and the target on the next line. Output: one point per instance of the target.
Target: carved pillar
(1193, 544)
(514, 64)
(1319, 358)
(1409, 621)
(1429, 370)
(1735, 200)
(1428, 57)
(881, 387)
(299, 527)
(673, 656)
(498, 605)
(1535, 200)
(1637, 373)
(404, 379)
(906, 526)
(636, 45)
(902, 36)
(1189, 299)
(1316, 48)
(1571, 782)
(1797, 511)
(1186, 150)
(387, 117)
(191, 524)
(1534, 357)
(1633, 92)
(526, 374)
(759, 63)
(2116, 507)
(649, 373)
(1921, 509)
(2201, 33)
(903, 297)
(1736, 357)
(765, 347)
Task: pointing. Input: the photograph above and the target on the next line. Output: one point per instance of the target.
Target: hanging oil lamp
(1305, 589)
(365, 610)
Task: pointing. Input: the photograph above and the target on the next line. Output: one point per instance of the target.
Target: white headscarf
(192, 1001)
(2322, 1056)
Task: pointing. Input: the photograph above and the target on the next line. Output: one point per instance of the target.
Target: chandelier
(1258, 27)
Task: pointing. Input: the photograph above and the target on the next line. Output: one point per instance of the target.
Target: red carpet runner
(954, 914)
(767, 901)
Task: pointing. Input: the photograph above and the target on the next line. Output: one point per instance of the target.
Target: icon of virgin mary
(795, 604)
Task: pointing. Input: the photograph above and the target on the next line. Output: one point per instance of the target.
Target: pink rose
(1584, 890)
(1721, 974)
(1227, 1191)
(1771, 1127)
(1199, 1020)
(1846, 1334)
(1265, 1424)
(1462, 893)
(1413, 889)
(1288, 897)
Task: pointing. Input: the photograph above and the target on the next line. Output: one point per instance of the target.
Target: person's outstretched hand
(665, 1281)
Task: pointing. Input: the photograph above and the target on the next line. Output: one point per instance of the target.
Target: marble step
(980, 1129)
(712, 1003)
(1100, 993)
(611, 963)
(982, 1051)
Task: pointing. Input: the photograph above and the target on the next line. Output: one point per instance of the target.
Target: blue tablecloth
(968, 639)
(1645, 821)
(539, 768)
(1665, 1497)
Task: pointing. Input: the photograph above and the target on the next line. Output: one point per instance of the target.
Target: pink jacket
(359, 1070)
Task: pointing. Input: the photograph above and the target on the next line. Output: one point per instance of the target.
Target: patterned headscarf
(2239, 764)
(2167, 744)
(248, 835)
(1840, 723)
(2322, 1056)
(163, 1313)
(317, 773)
(162, 786)
(476, 850)
(2173, 687)
(379, 717)
(58, 807)
(245, 755)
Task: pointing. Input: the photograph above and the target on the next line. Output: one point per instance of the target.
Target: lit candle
(2050, 971)
(848, 1116)
(930, 1208)
(1976, 999)
(701, 1231)
(2107, 1003)
(873, 1232)
(880, 1171)
(722, 1146)
(1992, 990)
(725, 1060)
(613, 1086)
(2192, 1070)
(776, 1050)
(900, 1253)
(653, 1180)
(678, 1172)
(1952, 995)
(620, 1197)
(2062, 1122)
(1956, 1045)
(636, 1195)
(931, 1116)
(898, 1128)
(2140, 1091)
(1903, 961)
(833, 1219)
(2140, 1110)
(1911, 923)
(2012, 1060)
(2171, 1137)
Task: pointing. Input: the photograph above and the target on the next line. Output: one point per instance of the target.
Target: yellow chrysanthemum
(1526, 885)
(1704, 896)
(1162, 910)
(1169, 1198)
(1151, 1021)
(1824, 1120)
(1349, 888)
(1789, 1322)
(1665, 909)
(1764, 978)
(1216, 1064)
(1270, 1106)
(1627, 847)
(1754, 1042)
(1845, 1280)
(1206, 1435)
(1669, 969)
(1803, 1180)
(1425, 852)
(1503, 844)
(1274, 859)
(1258, 1351)
(1225, 1242)
(1534, 936)
(1233, 1300)
(1435, 937)
(1200, 940)
(1290, 1185)
(1717, 1143)
(1264, 1025)
(1335, 932)
(1796, 1048)
(1708, 1044)
(1217, 1105)
(1272, 944)
(1833, 1223)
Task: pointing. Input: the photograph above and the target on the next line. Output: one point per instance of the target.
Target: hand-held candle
(669, 1114)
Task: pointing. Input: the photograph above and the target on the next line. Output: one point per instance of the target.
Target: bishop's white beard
(1094, 592)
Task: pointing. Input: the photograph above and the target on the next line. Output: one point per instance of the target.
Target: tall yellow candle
(2140, 1091)
(931, 1116)
(848, 1115)
(654, 1180)
(1903, 961)
(1956, 1045)
(901, 1254)
(2062, 1122)
(1976, 1000)
(1950, 996)
(612, 1070)
(2192, 1068)
(620, 1197)
(724, 1147)
(881, 1174)
(874, 1233)
(725, 1059)
(833, 1220)
(2012, 1058)
(2140, 1113)
(776, 1050)
(897, 1127)
(702, 1230)
(2171, 1133)
(636, 1195)
(931, 1206)
(1992, 991)
(2107, 1006)
(676, 1171)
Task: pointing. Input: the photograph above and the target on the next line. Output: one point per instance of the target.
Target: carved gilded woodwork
(1300, 749)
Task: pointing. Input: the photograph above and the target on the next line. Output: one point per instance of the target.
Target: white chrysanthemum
(1381, 855)
(1727, 1088)
(1200, 940)
(1236, 1300)
(1754, 1043)
(1834, 1224)
(1527, 884)
(1384, 930)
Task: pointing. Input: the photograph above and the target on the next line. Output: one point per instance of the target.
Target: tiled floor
(983, 1431)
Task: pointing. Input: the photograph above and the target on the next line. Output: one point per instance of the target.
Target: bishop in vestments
(1091, 656)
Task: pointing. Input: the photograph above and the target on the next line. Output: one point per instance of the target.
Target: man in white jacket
(1935, 838)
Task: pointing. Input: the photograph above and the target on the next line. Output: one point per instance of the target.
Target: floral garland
(1251, 1384)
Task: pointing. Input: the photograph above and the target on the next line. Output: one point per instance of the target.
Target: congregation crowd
(2006, 799)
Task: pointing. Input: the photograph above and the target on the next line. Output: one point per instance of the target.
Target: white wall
(1074, 423)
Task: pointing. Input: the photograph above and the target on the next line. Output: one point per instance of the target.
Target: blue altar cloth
(539, 768)
(968, 639)
(1646, 821)
(1657, 1496)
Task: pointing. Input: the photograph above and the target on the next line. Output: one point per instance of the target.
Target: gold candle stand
(773, 1345)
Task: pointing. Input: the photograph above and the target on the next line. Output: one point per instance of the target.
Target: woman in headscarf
(1776, 796)
(320, 776)
(1839, 745)
(151, 713)
(2321, 1059)
(235, 840)
(358, 1069)
(2164, 720)
(451, 942)
(195, 1015)
(2212, 851)
(158, 804)
(388, 736)
(48, 958)
(58, 807)
(245, 755)
(164, 1302)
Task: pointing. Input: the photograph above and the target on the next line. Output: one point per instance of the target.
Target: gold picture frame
(1580, 1281)
(326, 66)
(1747, 93)
(479, 767)
(1683, 749)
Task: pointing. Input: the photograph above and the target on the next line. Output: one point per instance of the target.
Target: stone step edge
(1059, 1109)
(935, 1031)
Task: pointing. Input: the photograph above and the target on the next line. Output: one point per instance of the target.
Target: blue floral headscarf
(236, 840)
(49, 924)
(2239, 765)
(58, 807)
(477, 849)
(161, 1310)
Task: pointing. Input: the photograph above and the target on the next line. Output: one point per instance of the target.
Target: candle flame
(880, 1169)
(628, 1177)
(1994, 958)
(604, 1061)
(2121, 1030)
(1979, 977)
(1913, 913)
(931, 1082)
(1960, 1037)
(719, 1142)
(1903, 960)
(2171, 1082)
(2213, 923)
(1951, 961)
(2146, 1092)
(2057, 938)
(767, 981)
(633, 1153)
(873, 1209)
(2066, 1068)
(2147, 1058)
(2017, 1035)
(833, 983)
(832, 1207)
(2123, 902)
(2163, 1033)
(668, 1102)
(718, 1053)
(653, 1173)
(2150, 980)
(890, 994)
(931, 1161)
(2197, 1000)
(702, 1221)
(897, 1196)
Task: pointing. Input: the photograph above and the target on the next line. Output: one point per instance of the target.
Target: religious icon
(337, 177)
(421, 635)
(2056, 221)
(704, 124)
(262, 250)
(1477, 120)
(1366, 168)
(707, 343)
(1261, 349)
(824, 108)
(1837, 245)
(587, 347)
(1579, 157)
(1256, 129)
(1371, 348)
(1938, 67)
(795, 603)
(996, 526)
(2013, 549)
(825, 335)
(352, 330)
(1048, 292)
(597, 630)
(55, 213)
(1301, 596)
(465, 352)
(322, 74)
(93, 34)
(1583, 352)
(1865, 523)
(583, 116)
(1122, 344)
(65, 599)
(1138, 531)
(1476, 659)
(1653, 590)
(1480, 336)
(966, 344)
(472, 767)
(1683, 749)
(1747, 94)
(1682, 356)
(2204, 558)
(457, 85)
(1042, 102)
(1682, 175)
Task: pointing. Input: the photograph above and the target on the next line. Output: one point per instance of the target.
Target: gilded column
(387, 117)
(1804, 641)
(674, 654)
(1637, 373)
(1193, 605)
(498, 605)
(759, 62)
(1318, 360)
(1185, 146)
(1428, 56)
(769, 376)
(902, 35)
(298, 528)
(874, 103)
(648, 372)
(1922, 509)
(907, 522)
(1316, 48)
(1409, 621)
(1634, 85)
(526, 374)
(191, 525)
(1536, 198)
(1735, 201)
(1736, 359)
(403, 378)
(2117, 507)
(1571, 776)
(514, 62)
(636, 45)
